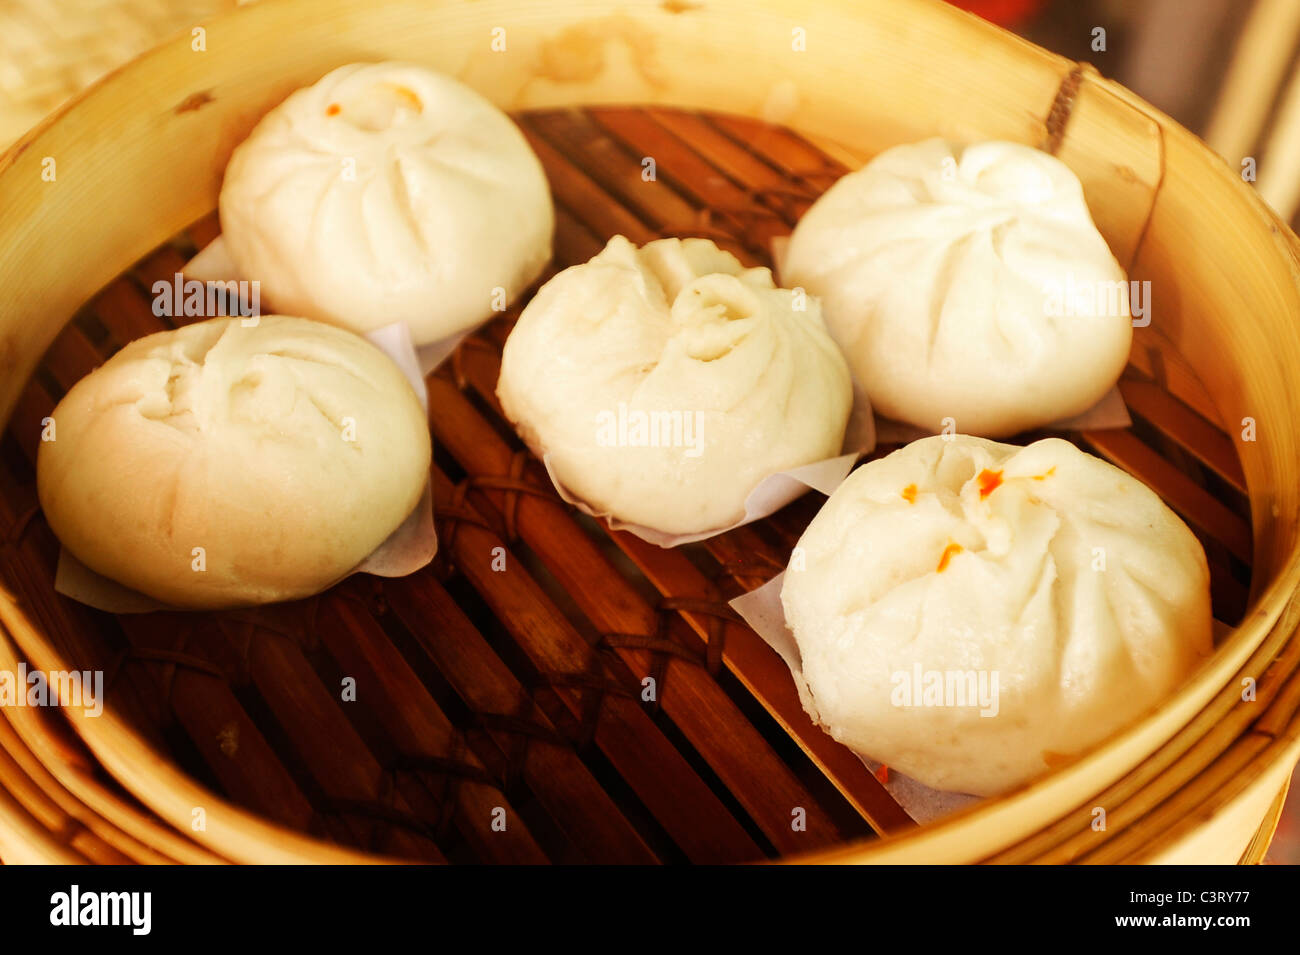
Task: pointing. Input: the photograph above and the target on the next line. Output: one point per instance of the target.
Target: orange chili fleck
(411, 98)
(989, 481)
(333, 109)
(909, 494)
(882, 774)
(946, 556)
(1044, 477)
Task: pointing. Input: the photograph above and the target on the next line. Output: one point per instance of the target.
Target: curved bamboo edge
(1256, 853)
(228, 831)
(24, 841)
(1227, 830)
(329, 35)
(69, 822)
(62, 775)
(66, 832)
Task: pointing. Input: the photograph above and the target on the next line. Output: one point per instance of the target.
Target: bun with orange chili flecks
(970, 612)
(387, 192)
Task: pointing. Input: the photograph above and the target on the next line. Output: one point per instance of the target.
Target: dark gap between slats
(494, 632)
(489, 414)
(706, 773)
(94, 330)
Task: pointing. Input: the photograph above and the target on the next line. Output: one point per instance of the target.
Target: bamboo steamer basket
(514, 697)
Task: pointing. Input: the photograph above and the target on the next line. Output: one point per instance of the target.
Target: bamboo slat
(426, 739)
(582, 680)
(525, 738)
(1192, 432)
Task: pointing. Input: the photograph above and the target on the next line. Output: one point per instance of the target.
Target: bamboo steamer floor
(484, 695)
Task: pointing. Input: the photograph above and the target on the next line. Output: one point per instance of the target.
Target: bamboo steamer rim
(45, 761)
(555, 54)
(229, 831)
(73, 825)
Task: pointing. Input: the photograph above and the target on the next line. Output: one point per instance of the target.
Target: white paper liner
(412, 545)
(214, 264)
(762, 610)
(767, 497)
(770, 495)
(1110, 412)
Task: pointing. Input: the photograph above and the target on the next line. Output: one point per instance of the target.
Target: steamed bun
(1057, 593)
(387, 193)
(287, 451)
(966, 283)
(664, 383)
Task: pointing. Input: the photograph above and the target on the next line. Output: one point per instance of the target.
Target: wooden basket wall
(481, 691)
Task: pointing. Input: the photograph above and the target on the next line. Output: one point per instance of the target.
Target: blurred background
(1223, 68)
(1226, 69)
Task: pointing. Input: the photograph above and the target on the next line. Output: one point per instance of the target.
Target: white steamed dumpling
(388, 192)
(664, 383)
(224, 465)
(967, 284)
(971, 613)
